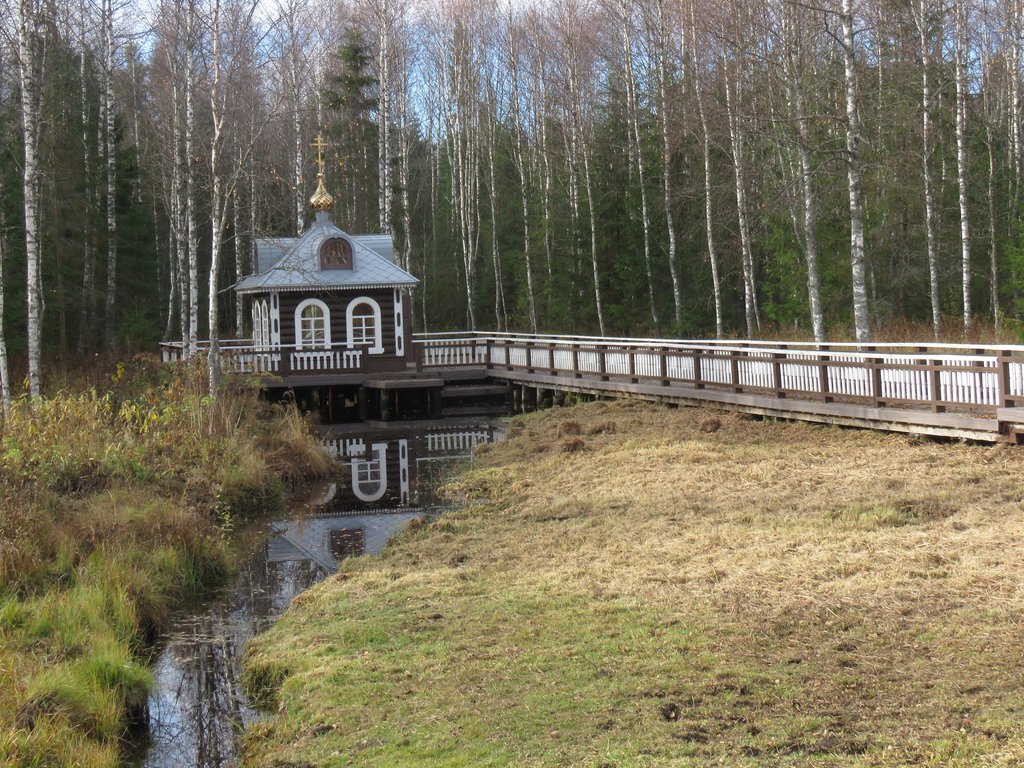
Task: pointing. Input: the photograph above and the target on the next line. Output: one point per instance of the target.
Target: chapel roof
(293, 264)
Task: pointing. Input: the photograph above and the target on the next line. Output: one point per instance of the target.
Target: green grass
(763, 594)
(117, 500)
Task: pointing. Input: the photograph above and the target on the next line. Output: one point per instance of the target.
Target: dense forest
(613, 166)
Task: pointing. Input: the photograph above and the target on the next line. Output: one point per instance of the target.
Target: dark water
(385, 478)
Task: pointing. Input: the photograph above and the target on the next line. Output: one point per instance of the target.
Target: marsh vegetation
(116, 495)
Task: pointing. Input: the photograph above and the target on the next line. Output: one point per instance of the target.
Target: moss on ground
(671, 595)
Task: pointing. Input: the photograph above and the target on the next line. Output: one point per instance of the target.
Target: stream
(385, 477)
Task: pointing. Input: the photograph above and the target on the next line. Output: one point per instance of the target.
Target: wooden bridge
(946, 390)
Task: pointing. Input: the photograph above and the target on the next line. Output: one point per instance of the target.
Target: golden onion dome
(321, 199)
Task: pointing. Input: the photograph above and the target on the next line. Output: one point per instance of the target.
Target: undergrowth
(115, 498)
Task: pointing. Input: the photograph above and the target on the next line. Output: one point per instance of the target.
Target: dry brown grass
(849, 598)
(898, 561)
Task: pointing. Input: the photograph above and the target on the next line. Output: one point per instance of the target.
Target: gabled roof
(298, 265)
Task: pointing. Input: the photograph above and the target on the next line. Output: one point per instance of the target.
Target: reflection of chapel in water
(376, 493)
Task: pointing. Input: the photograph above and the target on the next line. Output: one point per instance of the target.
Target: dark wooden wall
(337, 302)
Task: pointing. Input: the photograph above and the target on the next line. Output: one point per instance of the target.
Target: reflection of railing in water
(461, 440)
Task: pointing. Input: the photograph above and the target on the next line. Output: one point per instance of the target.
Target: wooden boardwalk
(959, 391)
(972, 392)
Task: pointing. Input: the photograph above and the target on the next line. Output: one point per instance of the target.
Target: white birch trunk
(593, 240)
(406, 139)
(217, 208)
(961, 157)
(384, 89)
(993, 245)
(28, 32)
(110, 142)
(500, 312)
(809, 201)
(854, 182)
(5, 377)
(190, 184)
(520, 161)
(709, 218)
(923, 27)
(1016, 33)
(666, 163)
(736, 142)
(240, 258)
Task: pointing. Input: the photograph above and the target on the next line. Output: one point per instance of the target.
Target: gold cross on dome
(319, 145)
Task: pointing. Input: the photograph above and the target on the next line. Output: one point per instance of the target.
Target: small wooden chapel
(328, 301)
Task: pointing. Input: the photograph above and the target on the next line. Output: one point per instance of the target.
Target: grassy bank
(627, 585)
(116, 494)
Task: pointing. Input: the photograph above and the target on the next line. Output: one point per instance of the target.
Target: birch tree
(662, 47)
(960, 70)
(924, 19)
(30, 22)
(854, 173)
(110, 156)
(709, 217)
(520, 159)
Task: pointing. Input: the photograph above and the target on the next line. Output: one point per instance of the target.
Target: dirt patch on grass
(759, 593)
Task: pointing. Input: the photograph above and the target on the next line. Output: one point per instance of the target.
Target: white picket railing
(937, 375)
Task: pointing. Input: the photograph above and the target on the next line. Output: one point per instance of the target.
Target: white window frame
(257, 328)
(298, 324)
(264, 325)
(377, 347)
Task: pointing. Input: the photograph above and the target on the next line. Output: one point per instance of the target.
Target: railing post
(529, 357)
(663, 365)
(777, 358)
(935, 385)
(875, 369)
(602, 365)
(576, 360)
(823, 360)
(631, 358)
(734, 370)
(1005, 399)
(698, 374)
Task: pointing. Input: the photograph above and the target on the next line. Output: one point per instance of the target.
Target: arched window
(260, 324)
(264, 323)
(312, 325)
(257, 340)
(364, 326)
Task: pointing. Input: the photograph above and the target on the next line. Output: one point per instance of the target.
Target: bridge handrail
(912, 347)
(869, 375)
(865, 353)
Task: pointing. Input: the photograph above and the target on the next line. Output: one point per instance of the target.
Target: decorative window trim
(275, 321)
(378, 331)
(298, 323)
(399, 325)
